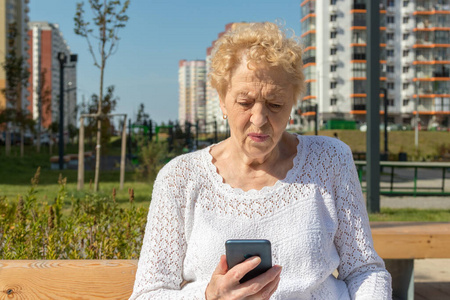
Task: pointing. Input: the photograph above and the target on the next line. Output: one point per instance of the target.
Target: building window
(359, 53)
(405, 85)
(359, 70)
(390, 52)
(333, 18)
(333, 51)
(405, 53)
(333, 34)
(390, 85)
(333, 85)
(390, 36)
(405, 20)
(333, 68)
(332, 2)
(405, 3)
(390, 19)
(405, 102)
(405, 69)
(390, 3)
(390, 69)
(405, 36)
(333, 101)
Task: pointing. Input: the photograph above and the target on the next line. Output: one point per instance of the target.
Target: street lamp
(62, 58)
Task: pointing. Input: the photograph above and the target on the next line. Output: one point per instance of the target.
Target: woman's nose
(259, 115)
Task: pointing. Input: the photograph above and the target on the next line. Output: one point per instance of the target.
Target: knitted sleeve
(360, 266)
(159, 273)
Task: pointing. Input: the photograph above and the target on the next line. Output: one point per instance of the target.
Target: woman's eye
(244, 104)
(275, 106)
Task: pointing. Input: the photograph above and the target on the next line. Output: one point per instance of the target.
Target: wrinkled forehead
(248, 72)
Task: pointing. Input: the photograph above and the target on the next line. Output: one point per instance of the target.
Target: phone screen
(239, 250)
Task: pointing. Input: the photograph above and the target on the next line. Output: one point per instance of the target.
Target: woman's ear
(222, 105)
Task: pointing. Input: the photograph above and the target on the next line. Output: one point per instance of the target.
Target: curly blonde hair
(260, 43)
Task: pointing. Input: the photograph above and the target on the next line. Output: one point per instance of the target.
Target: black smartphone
(239, 250)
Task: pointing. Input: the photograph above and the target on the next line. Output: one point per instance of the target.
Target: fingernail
(254, 258)
(278, 268)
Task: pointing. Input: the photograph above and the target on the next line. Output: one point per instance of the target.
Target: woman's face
(258, 103)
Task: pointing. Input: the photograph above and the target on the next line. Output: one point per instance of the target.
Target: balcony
(333, 9)
(334, 58)
(334, 25)
(390, 27)
(334, 76)
(334, 42)
(391, 10)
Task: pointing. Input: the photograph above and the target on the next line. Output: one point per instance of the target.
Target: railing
(415, 190)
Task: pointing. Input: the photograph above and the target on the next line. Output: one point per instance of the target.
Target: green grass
(16, 174)
(411, 215)
(398, 141)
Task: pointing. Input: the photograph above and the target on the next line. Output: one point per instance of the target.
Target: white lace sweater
(315, 219)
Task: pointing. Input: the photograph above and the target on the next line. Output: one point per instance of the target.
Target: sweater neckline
(227, 188)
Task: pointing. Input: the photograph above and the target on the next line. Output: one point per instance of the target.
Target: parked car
(15, 138)
(46, 140)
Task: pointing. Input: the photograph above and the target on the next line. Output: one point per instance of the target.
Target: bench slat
(67, 279)
(415, 240)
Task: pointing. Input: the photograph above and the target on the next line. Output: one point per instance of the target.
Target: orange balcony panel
(432, 29)
(382, 61)
(432, 79)
(434, 62)
(358, 112)
(308, 98)
(309, 113)
(357, 78)
(357, 61)
(432, 113)
(358, 11)
(432, 96)
(432, 46)
(308, 32)
(309, 48)
(309, 65)
(358, 95)
(310, 80)
(358, 45)
(306, 1)
(307, 17)
(434, 12)
(358, 28)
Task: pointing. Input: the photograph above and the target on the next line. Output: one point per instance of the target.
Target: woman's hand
(224, 283)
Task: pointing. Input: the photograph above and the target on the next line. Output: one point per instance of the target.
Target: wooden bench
(399, 243)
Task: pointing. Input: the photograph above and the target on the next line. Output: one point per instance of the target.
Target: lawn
(16, 174)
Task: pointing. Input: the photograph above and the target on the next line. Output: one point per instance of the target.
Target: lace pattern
(315, 219)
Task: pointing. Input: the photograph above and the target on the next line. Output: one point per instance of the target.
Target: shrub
(94, 227)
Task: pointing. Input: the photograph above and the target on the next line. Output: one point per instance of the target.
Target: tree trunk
(122, 155)
(8, 141)
(81, 155)
(21, 142)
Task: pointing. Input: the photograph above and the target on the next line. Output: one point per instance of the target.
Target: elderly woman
(301, 193)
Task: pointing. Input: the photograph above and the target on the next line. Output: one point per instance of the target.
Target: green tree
(108, 18)
(108, 104)
(16, 78)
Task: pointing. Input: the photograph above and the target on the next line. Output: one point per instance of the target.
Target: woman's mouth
(259, 138)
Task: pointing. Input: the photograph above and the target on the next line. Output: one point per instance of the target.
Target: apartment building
(192, 98)
(13, 13)
(414, 58)
(45, 41)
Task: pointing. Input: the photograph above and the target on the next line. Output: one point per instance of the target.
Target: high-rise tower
(414, 58)
(13, 13)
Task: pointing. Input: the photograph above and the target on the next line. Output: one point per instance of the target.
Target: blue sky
(159, 34)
